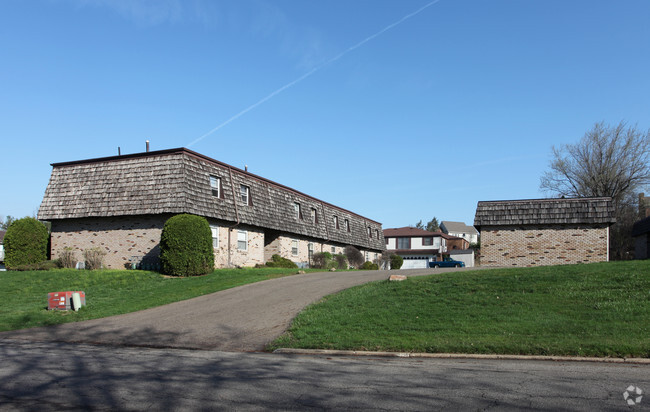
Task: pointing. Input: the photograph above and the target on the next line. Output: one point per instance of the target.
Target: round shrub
(396, 261)
(25, 243)
(186, 246)
(369, 266)
(278, 261)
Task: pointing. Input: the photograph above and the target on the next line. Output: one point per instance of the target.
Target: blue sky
(396, 110)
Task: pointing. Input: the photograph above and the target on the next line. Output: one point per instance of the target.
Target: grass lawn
(23, 295)
(598, 309)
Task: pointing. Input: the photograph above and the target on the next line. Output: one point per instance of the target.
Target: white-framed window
(314, 216)
(366, 255)
(296, 209)
(215, 186)
(242, 240)
(334, 249)
(347, 225)
(294, 247)
(245, 192)
(336, 222)
(310, 250)
(215, 236)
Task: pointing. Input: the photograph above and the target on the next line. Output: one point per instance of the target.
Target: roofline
(548, 199)
(183, 150)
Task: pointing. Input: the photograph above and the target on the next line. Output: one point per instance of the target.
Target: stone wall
(540, 245)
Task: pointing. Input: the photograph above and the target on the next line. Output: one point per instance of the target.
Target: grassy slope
(587, 310)
(23, 295)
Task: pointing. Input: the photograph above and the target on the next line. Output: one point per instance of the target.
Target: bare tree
(608, 161)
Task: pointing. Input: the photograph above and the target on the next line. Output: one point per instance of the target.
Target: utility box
(63, 300)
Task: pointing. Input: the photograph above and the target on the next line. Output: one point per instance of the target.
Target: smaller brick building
(538, 232)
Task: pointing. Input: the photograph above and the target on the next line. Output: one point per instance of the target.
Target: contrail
(314, 70)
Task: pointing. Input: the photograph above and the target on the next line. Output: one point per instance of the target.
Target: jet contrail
(314, 70)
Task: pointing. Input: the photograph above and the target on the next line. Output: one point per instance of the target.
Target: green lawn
(579, 310)
(23, 295)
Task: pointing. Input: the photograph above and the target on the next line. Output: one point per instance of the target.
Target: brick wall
(543, 245)
(120, 237)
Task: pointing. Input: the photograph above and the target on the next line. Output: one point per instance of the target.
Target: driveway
(245, 318)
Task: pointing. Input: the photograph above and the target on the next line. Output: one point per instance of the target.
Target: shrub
(67, 258)
(25, 243)
(278, 261)
(369, 266)
(321, 260)
(93, 258)
(355, 257)
(186, 246)
(341, 262)
(396, 261)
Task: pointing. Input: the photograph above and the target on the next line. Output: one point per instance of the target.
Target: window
(294, 247)
(369, 232)
(215, 236)
(314, 216)
(403, 242)
(366, 255)
(336, 222)
(215, 186)
(245, 194)
(376, 233)
(334, 249)
(310, 250)
(242, 240)
(427, 241)
(386, 239)
(296, 209)
(347, 225)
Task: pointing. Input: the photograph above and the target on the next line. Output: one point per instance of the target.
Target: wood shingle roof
(596, 210)
(178, 181)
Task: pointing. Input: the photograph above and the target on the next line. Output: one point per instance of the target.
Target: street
(64, 376)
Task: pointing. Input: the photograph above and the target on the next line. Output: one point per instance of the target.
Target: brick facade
(538, 245)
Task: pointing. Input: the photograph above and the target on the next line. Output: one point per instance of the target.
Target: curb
(328, 352)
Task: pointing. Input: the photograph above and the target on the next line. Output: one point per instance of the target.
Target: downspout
(230, 228)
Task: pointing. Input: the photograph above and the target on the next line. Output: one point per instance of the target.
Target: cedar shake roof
(593, 210)
(178, 181)
(459, 227)
(414, 232)
(640, 227)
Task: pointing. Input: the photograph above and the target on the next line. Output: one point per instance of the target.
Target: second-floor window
(347, 225)
(336, 222)
(245, 192)
(403, 242)
(427, 241)
(314, 216)
(296, 209)
(215, 186)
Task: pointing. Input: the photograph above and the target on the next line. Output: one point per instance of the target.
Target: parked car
(447, 263)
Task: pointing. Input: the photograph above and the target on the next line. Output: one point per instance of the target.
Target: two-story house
(460, 229)
(416, 246)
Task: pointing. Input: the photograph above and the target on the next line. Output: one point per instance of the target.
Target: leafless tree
(608, 161)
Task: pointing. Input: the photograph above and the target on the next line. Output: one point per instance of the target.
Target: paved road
(245, 318)
(61, 376)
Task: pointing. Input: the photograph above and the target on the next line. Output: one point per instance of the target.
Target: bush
(355, 257)
(67, 258)
(93, 258)
(186, 246)
(278, 261)
(341, 262)
(25, 243)
(369, 266)
(396, 261)
(321, 260)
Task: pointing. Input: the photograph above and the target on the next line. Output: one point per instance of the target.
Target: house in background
(460, 229)
(120, 204)
(536, 232)
(419, 247)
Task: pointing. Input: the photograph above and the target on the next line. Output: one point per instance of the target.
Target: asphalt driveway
(245, 318)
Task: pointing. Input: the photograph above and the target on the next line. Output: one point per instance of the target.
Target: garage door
(414, 264)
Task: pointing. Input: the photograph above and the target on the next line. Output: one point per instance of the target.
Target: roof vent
(147, 146)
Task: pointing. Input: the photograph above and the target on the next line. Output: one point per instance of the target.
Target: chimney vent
(246, 168)
(147, 146)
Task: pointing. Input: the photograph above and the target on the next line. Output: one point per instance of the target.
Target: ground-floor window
(242, 240)
(294, 247)
(215, 236)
